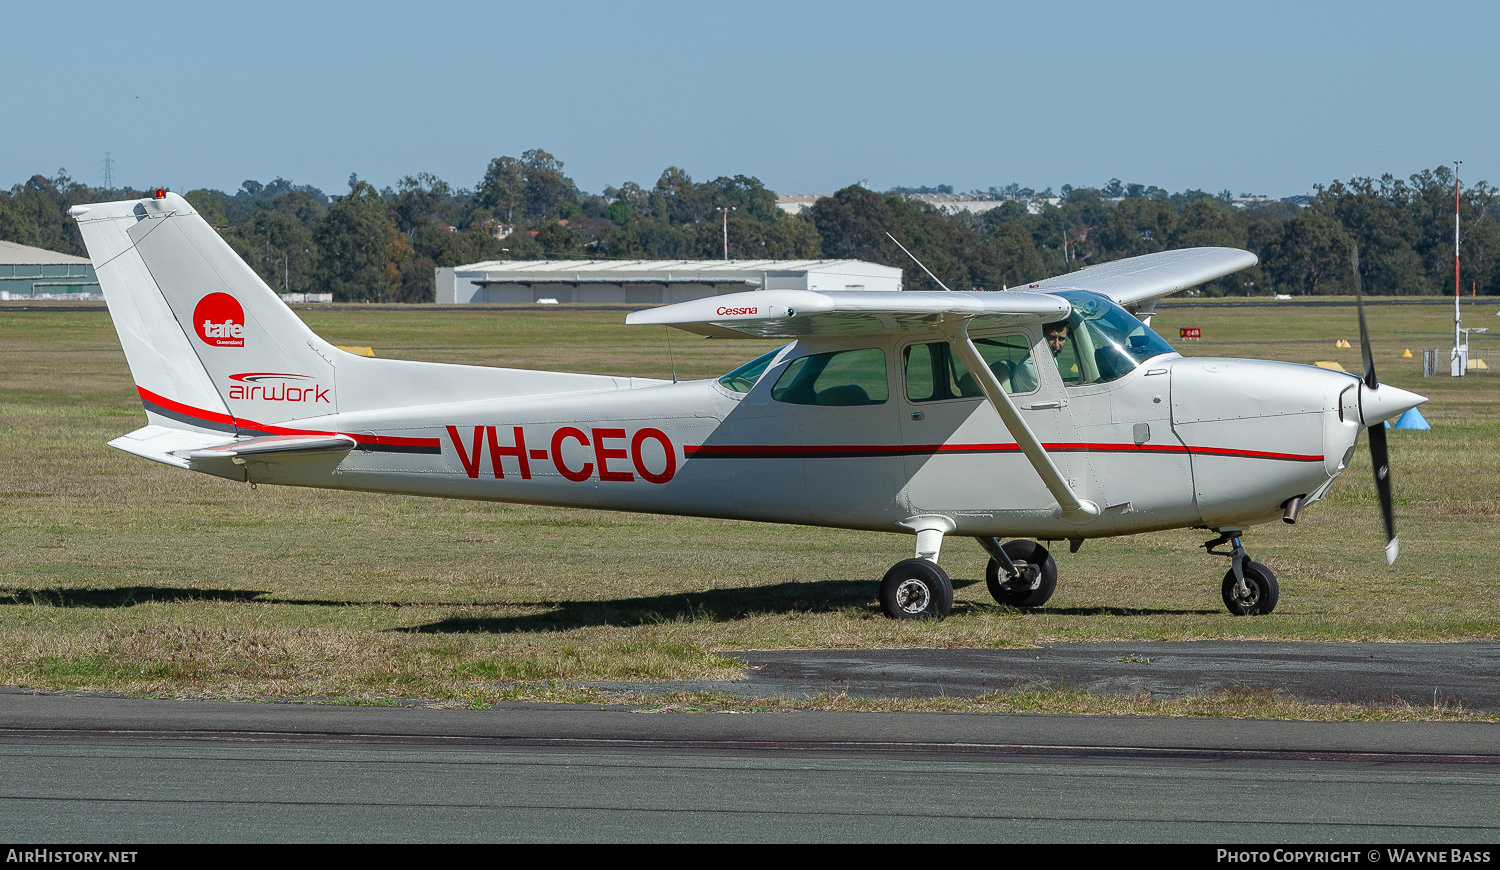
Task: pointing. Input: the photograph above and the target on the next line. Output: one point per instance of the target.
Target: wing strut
(1073, 508)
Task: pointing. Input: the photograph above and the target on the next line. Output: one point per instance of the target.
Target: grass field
(120, 574)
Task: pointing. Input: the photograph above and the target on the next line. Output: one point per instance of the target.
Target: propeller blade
(1381, 460)
(1364, 331)
(1379, 454)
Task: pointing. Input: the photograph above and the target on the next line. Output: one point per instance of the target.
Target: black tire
(1263, 590)
(1033, 589)
(916, 589)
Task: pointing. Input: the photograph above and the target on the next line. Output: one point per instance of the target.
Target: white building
(953, 203)
(797, 203)
(36, 273)
(651, 282)
(979, 203)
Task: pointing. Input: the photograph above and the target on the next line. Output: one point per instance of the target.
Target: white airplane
(1049, 413)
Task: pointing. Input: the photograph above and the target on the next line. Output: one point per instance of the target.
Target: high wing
(1135, 283)
(1144, 279)
(794, 313)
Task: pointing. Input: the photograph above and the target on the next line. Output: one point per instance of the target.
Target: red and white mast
(1460, 351)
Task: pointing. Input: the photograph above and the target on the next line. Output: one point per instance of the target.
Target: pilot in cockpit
(1020, 377)
(1056, 335)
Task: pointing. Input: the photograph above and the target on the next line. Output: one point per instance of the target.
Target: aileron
(1152, 276)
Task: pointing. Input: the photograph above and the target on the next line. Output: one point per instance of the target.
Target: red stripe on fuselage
(757, 451)
(186, 410)
(268, 429)
(815, 451)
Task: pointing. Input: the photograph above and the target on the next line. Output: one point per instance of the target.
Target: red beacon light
(160, 193)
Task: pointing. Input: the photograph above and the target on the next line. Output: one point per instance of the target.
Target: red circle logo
(220, 321)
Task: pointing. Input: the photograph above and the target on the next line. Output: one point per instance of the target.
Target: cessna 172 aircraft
(1047, 413)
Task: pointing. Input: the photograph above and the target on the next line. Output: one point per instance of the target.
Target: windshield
(743, 378)
(1104, 341)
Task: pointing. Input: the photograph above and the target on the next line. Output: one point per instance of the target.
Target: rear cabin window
(742, 379)
(845, 377)
(934, 371)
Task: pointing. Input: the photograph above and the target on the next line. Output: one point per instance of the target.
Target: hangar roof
(662, 271)
(12, 254)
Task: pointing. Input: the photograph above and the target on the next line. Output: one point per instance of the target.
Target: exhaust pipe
(1290, 508)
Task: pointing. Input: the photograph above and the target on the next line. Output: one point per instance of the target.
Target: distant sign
(1190, 332)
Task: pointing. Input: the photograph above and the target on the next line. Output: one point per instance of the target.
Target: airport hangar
(650, 282)
(37, 273)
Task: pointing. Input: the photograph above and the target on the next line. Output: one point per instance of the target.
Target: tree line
(383, 245)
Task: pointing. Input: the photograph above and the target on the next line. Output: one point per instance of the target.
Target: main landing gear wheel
(916, 589)
(1262, 591)
(1038, 578)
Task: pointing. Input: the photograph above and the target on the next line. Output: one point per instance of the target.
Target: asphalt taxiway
(1453, 676)
(99, 769)
(91, 768)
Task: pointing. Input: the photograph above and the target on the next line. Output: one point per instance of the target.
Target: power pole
(109, 172)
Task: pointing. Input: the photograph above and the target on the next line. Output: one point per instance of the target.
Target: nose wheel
(1249, 587)
(1257, 595)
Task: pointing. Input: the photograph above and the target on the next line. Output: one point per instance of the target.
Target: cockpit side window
(934, 371)
(1104, 341)
(844, 377)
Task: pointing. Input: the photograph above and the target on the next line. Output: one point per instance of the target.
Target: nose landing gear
(1249, 587)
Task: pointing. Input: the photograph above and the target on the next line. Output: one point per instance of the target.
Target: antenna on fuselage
(670, 359)
(919, 263)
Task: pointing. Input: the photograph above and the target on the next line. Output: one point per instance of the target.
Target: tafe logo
(220, 321)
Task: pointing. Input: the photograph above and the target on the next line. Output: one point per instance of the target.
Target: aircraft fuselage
(1177, 442)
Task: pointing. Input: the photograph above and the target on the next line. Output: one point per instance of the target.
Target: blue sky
(1267, 97)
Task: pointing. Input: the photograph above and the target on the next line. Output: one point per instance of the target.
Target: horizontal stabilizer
(277, 444)
(232, 460)
(166, 444)
(794, 313)
(215, 453)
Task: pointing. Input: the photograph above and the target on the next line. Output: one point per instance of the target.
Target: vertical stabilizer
(172, 382)
(201, 330)
(212, 348)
